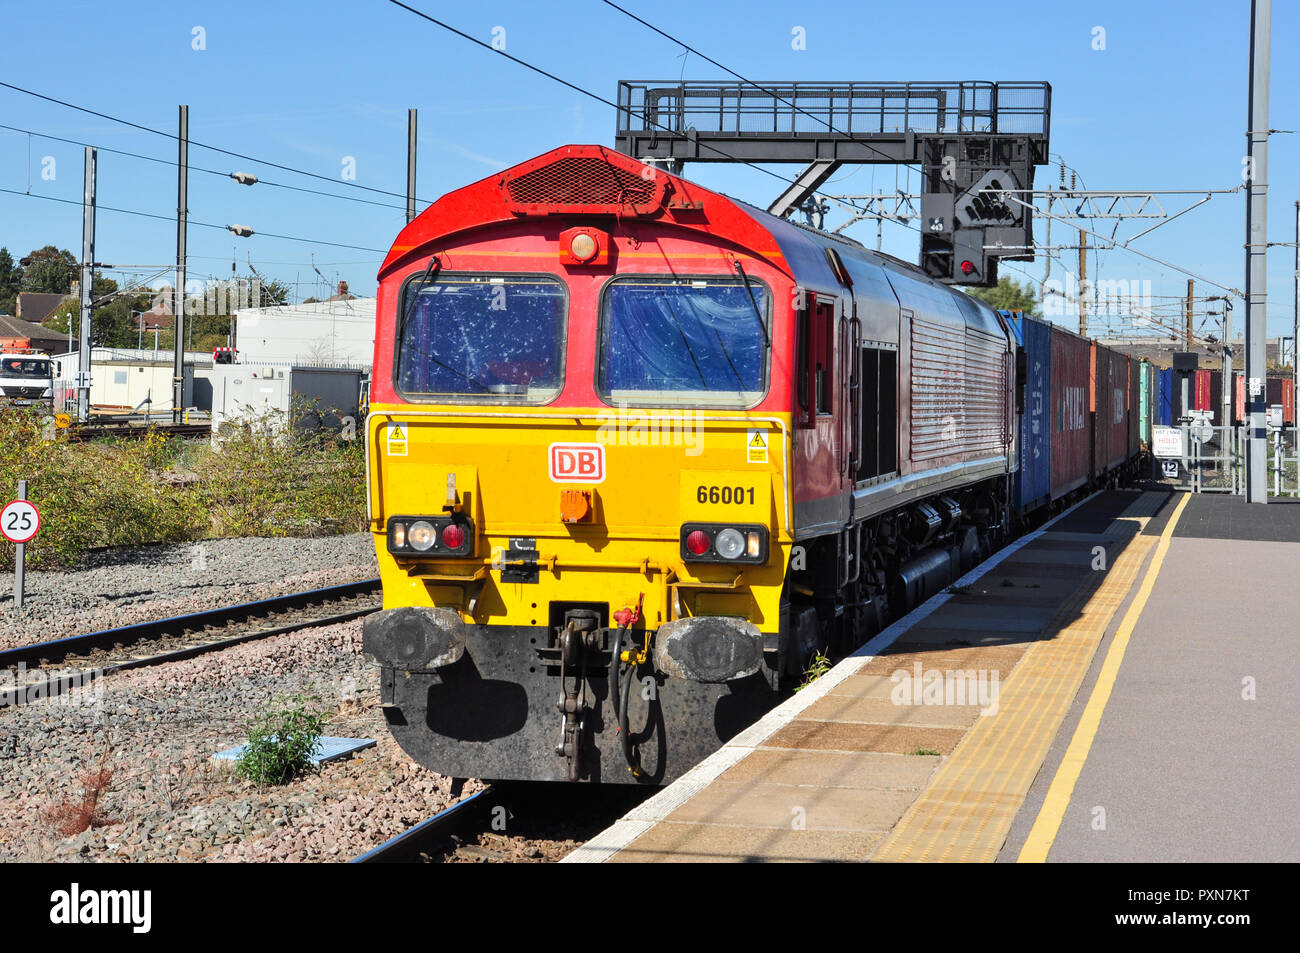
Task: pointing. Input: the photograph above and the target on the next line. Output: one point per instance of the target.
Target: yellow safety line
(1045, 828)
(966, 811)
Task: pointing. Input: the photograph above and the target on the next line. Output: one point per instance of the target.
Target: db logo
(577, 463)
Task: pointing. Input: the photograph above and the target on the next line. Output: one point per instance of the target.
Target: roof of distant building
(36, 307)
(14, 327)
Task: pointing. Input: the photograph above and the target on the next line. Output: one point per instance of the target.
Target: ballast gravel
(119, 587)
(156, 729)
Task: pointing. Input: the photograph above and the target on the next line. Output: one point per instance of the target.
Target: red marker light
(967, 267)
(453, 537)
(697, 543)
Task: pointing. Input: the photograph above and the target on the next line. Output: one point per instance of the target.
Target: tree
(49, 270)
(11, 282)
(1007, 295)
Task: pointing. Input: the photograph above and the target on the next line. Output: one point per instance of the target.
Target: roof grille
(587, 184)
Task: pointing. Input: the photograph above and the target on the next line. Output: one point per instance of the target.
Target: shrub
(280, 744)
(125, 492)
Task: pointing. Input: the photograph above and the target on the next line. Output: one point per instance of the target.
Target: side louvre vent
(584, 184)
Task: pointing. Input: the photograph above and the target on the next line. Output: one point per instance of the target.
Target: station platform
(1113, 686)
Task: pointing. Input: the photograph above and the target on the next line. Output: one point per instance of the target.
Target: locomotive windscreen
(684, 341)
(483, 337)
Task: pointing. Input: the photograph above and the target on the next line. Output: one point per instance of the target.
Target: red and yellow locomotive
(638, 452)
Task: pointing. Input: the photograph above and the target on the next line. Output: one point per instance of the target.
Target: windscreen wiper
(435, 266)
(767, 342)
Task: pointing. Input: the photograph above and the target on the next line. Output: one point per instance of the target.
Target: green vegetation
(818, 667)
(926, 751)
(1007, 295)
(281, 742)
(120, 492)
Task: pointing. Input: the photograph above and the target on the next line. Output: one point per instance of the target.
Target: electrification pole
(1187, 334)
(87, 279)
(1261, 15)
(182, 217)
(412, 119)
(1295, 329)
(1083, 284)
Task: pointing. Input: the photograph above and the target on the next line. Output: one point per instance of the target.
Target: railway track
(434, 836)
(47, 669)
(93, 431)
(511, 821)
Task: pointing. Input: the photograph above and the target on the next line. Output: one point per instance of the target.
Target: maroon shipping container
(1201, 397)
(1110, 429)
(1133, 413)
(1216, 398)
(1071, 446)
(1119, 375)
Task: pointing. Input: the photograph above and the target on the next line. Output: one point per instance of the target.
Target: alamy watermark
(1103, 298)
(950, 687)
(630, 427)
(24, 686)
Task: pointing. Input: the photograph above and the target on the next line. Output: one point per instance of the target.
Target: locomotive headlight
(421, 535)
(431, 537)
(729, 543)
(720, 543)
(583, 247)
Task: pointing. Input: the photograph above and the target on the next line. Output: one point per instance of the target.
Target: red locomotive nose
(453, 536)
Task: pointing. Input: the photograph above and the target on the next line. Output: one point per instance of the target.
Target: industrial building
(336, 333)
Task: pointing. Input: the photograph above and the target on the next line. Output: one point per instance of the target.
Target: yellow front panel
(647, 472)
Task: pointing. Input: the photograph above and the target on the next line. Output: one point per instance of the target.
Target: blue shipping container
(1034, 481)
(1165, 399)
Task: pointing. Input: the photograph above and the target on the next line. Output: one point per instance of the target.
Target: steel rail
(408, 843)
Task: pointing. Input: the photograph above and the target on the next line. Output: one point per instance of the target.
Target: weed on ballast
(72, 816)
(924, 751)
(281, 743)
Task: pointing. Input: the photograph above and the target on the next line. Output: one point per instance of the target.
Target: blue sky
(1163, 106)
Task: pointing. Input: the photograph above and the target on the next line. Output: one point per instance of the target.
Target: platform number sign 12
(20, 521)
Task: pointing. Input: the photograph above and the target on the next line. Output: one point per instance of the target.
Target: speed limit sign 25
(20, 521)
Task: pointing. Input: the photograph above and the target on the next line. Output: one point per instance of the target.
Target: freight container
(1109, 431)
(1164, 414)
(1071, 446)
(1132, 411)
(1201, 396)
(1034, 478)
(1144, 401)
(1117, 439)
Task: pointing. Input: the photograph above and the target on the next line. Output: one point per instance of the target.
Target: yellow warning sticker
(756, 446)
(397, 442)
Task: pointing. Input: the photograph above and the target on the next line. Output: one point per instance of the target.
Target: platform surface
(944, 737)
(1196, 756)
